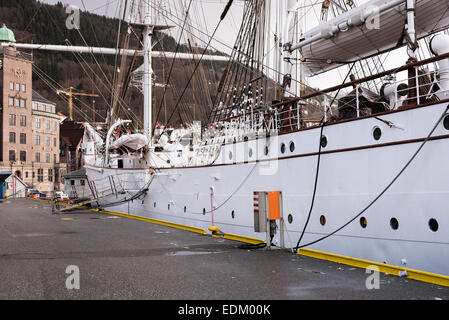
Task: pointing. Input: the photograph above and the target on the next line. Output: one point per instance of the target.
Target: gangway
(113, 189)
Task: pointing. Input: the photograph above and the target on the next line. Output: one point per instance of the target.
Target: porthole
(323, 141)
(250, 152)
(230, 155)
(290, 218)
(377, 133)
(292, 146)
(185, 209)
(266, 150)
(154, 204)
(233, 214)
(323, 220)
(446, 123)
(168, 206)
(394, 223)
(204, 211)
(433, 225)
(363, 222)
(282, 147)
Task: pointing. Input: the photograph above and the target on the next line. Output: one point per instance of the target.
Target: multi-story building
(45, 140)
(15, 113)
(29, 125)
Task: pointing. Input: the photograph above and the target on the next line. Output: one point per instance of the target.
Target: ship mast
(147, 80)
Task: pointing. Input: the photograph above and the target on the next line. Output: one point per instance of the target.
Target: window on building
(54, 158)
(47, 157)
(47, 141)
(23, 156)
(23, 121)
(54, 142)
(38, 140)
(38, 123)
(17, 86)
(23, 138)
(26, 174)
(11, 102)
(40, 175)
(55, 126)
(12, 137)
(47, 124)
(12, 155)
(82, 182)
(50, 175)
(23, 103)
(35, 106)
(44, 108)
(16, 102)
(12, 119)
(24, 88)
(72, 182)
(56, 175)
(11, 86)
(38, 157)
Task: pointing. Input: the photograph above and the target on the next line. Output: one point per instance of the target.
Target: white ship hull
(354, 169)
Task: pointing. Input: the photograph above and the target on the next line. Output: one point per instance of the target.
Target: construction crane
(70, 93)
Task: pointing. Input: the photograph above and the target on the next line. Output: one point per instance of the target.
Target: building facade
(29, 125)
(15, 113)
(45, 123)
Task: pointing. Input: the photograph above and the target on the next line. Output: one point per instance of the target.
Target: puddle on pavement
(191, 253)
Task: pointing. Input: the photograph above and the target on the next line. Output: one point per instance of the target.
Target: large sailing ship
(361, 168)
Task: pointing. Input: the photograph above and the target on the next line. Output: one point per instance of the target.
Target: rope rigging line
(94, 58)
(223, 15)
(78, 56)
(55, 86)
(120, 101)
(116, 76)
(227, 199)
(166, 13)
(172, 65)
(93, 30)
(317, 171)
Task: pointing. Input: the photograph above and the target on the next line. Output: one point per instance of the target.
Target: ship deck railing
(423, 80)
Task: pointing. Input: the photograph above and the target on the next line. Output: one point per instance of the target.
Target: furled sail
(372, 28)
(134, 141)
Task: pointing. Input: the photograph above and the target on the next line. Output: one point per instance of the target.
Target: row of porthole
(394, 223)
(204, 210)
(377, 134)
(266, 150)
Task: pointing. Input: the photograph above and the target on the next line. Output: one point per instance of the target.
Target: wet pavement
(42, 254)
